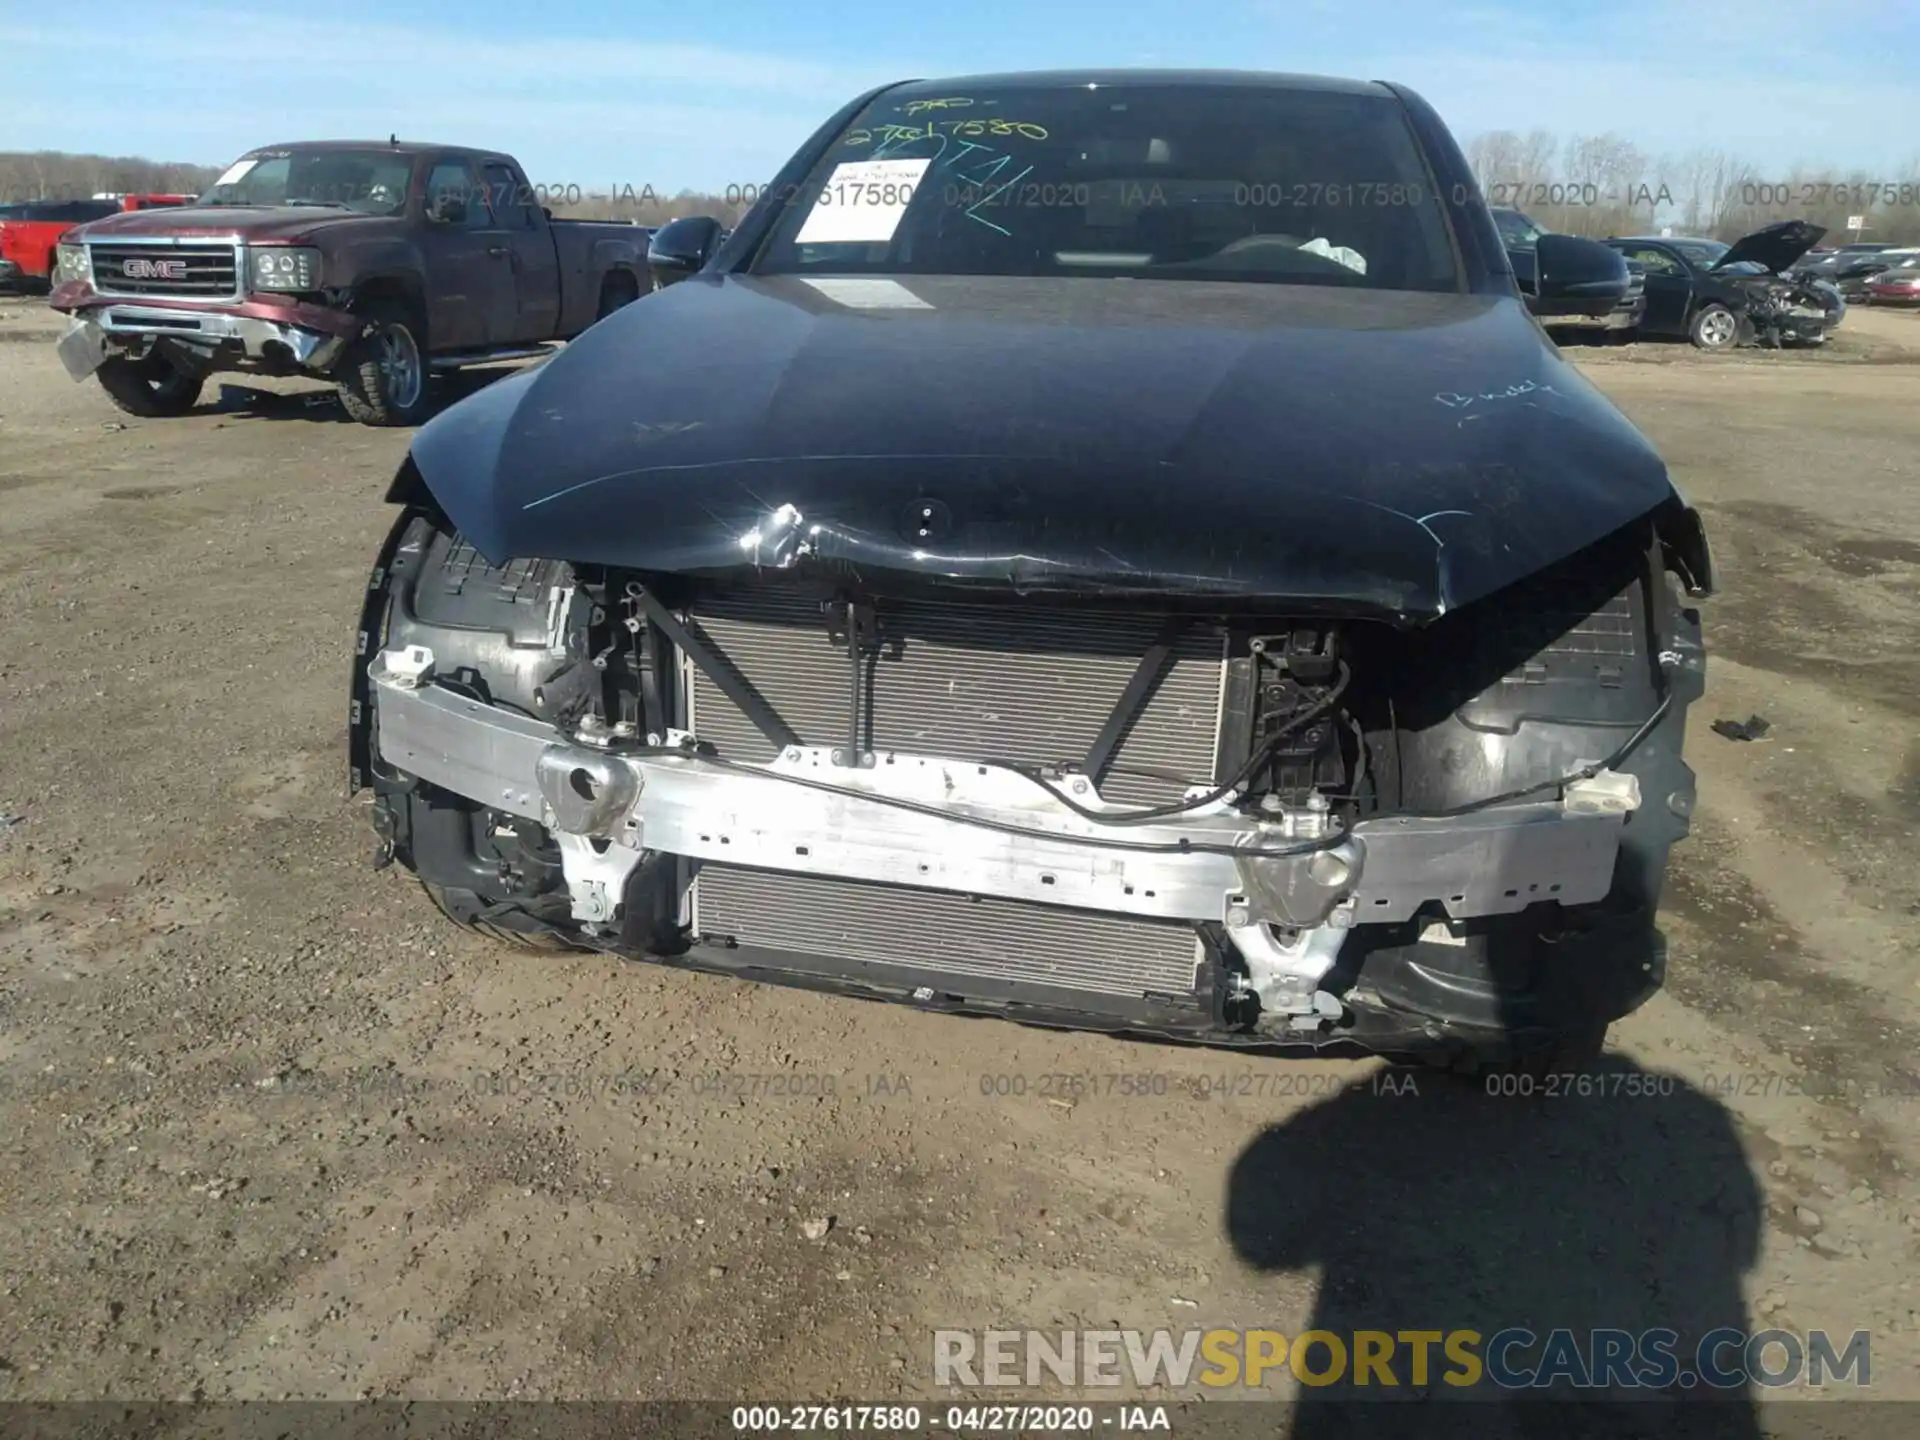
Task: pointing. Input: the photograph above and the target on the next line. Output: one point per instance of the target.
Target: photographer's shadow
(1428, 1203)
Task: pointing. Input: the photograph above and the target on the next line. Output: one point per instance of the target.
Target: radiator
(975, 682)
(947, 935)
(972, 682)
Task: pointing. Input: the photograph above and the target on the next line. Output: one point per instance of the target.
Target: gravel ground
(272, 1130)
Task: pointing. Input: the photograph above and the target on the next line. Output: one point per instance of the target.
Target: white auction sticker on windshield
(861, 202)
(235, 173)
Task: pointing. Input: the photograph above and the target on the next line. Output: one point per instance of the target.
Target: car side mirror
(1569, 268)
(1526, 268)
(682, 247)
(448, 210)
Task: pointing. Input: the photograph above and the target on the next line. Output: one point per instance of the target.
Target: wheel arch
(398, 287)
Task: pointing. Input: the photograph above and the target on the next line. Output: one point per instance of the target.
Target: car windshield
(1149, 181)
(374, 182)
(1516, 230)
(1700, 253)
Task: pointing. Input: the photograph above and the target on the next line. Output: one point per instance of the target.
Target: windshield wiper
(323, 204)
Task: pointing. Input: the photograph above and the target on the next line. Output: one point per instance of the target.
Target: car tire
(470, 912)
(1714, 327)
(152, 388)
(382, 379)
(617, 290)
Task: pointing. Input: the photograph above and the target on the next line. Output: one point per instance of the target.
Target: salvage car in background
(1851, 269)
(1899, 284)
(1174, 599)
(1825, 262)
(371, 265)
(1521, 235)
(1856, 280)
(1720, 295)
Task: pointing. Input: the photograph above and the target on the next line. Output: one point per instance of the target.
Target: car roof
(400, 147)
(1663, 240)
(1080, 79)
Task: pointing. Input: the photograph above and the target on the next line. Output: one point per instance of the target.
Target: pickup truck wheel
(1714, 328)
(153, 388)
(382, 379)
(616, 290)
(470, 912)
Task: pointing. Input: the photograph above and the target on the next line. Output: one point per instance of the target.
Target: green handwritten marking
(893, 131)
(956, 102)
(966, 145)
(997, 126)
(988, 198)
(990, 170)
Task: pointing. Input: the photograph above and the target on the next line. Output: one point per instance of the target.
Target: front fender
(388, 259)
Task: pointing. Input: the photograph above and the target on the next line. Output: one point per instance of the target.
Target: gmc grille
(210, 272)
(981, 682)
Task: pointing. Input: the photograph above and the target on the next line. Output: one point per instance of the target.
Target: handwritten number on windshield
(982, 164)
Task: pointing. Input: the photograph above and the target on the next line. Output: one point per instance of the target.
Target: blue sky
(594, 92)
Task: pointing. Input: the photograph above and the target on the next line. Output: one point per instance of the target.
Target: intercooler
(964, 681)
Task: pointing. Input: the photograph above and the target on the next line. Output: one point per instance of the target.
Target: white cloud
(1776, 81)
(620, 110)
(1775, 123)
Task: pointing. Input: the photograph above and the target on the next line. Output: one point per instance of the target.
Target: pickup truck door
(536, 268)
(469, 280)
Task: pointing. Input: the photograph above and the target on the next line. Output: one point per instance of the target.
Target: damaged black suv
(1101, 549)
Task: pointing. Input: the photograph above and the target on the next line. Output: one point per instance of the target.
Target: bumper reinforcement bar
(606, 808)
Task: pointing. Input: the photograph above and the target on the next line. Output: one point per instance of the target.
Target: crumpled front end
(1782, 311)
(1178, 816)
(190, 300)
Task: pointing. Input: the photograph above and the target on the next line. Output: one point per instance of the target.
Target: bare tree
(1495, 158)
(52, 175)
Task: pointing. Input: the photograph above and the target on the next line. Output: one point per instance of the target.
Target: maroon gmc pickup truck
(371, 265)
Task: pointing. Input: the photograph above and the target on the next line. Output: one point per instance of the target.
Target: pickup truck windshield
(1147, 181)
(374, 182)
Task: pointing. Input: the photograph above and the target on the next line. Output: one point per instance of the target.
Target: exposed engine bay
(1785, 311)
(1182, 817)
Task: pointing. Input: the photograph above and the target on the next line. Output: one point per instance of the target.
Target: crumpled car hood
(1776, 246)
(1388, 453)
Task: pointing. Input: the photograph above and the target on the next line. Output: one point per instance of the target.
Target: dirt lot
(270, 1129)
